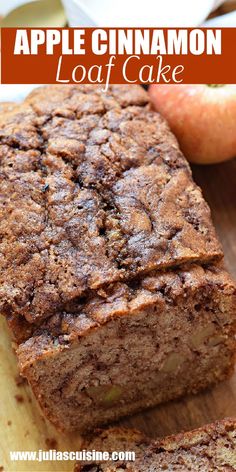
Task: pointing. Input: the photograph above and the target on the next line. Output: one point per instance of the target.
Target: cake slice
(132, 346)
(211, 448)
(111, 277)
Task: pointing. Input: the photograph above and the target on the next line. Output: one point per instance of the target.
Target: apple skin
(203, 118)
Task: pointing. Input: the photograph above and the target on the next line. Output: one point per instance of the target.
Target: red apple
(203, 118)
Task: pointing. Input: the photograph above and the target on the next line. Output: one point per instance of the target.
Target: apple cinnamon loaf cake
(111, 275)
(211, 448)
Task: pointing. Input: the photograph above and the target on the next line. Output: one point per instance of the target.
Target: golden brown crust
(171, 335)
(94, 189)
(215, 442)
(104, 235)
(157, 289)
(198, 436)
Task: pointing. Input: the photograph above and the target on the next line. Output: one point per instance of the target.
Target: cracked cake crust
(124, 299)
(170, 334)
(94, 190)
(210, 448)
(109, 261)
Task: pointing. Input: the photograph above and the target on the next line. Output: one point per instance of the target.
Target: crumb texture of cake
(211, 448)
(94, 189)
(111, 277)
(171, 335)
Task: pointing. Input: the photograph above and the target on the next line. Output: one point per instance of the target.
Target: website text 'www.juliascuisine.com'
(84, 455)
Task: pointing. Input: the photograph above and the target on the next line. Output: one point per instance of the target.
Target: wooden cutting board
(21, 424)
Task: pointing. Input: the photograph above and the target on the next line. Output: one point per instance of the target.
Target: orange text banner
(102, 55)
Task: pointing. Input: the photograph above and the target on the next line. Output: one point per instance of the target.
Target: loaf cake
(208, 449)
(111, 275)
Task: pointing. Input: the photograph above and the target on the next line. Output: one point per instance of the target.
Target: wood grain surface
(21, 424)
